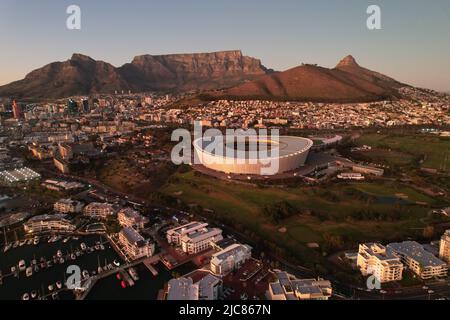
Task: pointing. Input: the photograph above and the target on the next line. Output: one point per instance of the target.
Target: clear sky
(413, 46)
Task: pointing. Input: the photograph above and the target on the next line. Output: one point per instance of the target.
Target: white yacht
(133, 273)
(22, 265)
(85, 274)
(7, 247)
(29, 272)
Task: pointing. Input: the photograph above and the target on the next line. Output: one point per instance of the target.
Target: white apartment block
(418, 260)
(174, 235)
(444, 248)
(99, 210)
(68, 206)
(134, 246)
(128, 217)
(288, 287)
(49, 223)
(201, 240)
(230, 259)
(374, 259)
(184, 289)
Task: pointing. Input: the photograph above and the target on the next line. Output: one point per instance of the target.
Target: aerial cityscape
(212, 176)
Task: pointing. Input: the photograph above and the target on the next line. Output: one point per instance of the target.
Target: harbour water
(109, 288)
(14, 287)
(145, 289)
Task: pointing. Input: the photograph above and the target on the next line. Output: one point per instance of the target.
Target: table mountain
(82, 75)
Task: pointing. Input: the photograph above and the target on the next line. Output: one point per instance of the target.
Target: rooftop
(416, 251)
(19, 175)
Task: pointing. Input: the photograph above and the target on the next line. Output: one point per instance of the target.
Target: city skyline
(282, 35)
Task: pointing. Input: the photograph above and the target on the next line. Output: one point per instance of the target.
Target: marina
(35, 269)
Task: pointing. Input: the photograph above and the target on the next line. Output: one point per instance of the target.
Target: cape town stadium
(286, 152)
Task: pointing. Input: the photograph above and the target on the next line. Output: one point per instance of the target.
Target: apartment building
(134, 246)
(288, 287)
(208, 287)
(99, 210)
(230, 259)
(49, 223)
(375, 259)
(128, 217)
(201, 240)
(174, 235)
(444, 248)
(418, 260)
(68, 206)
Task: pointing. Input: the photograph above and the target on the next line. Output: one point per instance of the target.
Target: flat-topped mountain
(82, 75)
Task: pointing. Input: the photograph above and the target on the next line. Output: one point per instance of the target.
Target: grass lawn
(244, 203)
(433, 149)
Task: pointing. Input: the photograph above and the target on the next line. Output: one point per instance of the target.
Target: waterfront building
(230, 259)
(68, 206)
(128, 217)
(174, 235)
(201, 240)
(99, 210)
(49, 223)
(444, 248)
(288, 287)
(134, 246)
(418, 260)
(209, 287)
(374, 259)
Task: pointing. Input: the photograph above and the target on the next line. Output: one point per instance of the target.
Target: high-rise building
(17, 110)
(86, 107)
(72, 107)
(444, 250)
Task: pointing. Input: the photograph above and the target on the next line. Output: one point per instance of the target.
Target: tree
(429, 232)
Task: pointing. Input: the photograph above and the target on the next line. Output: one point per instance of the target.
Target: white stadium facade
(289, 153)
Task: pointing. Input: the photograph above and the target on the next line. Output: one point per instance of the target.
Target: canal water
(146, 288)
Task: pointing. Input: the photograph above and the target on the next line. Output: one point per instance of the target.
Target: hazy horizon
(411, 47)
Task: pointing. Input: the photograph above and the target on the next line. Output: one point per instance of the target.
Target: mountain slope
(79, 75)
(82, 75)
(347, 82)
